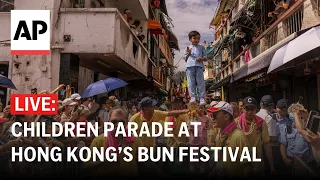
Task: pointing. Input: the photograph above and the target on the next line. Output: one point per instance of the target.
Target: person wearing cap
(266, 107)
(76, 97)
(149, 114)
(256, 130)
(80, 115)
(229, 136)
(291, 142)
(67, 106)
(120, 167)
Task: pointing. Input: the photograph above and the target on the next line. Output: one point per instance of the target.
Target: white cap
(68, 102)
(75, 96)
(222, 106)
(213, 103)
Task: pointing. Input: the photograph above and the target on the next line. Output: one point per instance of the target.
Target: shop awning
(263, 60)
(220, 83)
(240, 73)
(303, 48)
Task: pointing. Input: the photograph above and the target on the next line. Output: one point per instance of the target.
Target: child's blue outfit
(195, 69)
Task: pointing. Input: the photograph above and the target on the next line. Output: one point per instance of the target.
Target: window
(78, 3)
(6, 6)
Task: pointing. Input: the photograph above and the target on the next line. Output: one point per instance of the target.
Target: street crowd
(277, 131)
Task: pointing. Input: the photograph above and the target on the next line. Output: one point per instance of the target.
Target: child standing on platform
(195, 54)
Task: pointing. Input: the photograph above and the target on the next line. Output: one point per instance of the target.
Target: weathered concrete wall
(41, 72)
(310, 15)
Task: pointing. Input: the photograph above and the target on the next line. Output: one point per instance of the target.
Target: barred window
(6, 6)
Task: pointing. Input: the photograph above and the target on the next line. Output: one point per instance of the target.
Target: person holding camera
(291, 142)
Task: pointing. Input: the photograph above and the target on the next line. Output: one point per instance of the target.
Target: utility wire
(179, 61)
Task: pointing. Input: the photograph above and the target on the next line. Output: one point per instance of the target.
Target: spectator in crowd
(176, 141)
(265, 113)
(235, 109)
(291, 142)
(149, 114)
(240, 102)
(256, 131)
(117, 115)
(68, 105)
(76, 97)
(132, 108)
(229, 136)
(127, 15)
(105, 106)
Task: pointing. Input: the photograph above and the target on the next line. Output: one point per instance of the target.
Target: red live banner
(34, 104)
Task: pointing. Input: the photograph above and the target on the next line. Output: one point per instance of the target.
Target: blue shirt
(196, 52)
(295, 143)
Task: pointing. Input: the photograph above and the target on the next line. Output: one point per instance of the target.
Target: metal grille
(6, 6)
(272, 38)
(294, 22)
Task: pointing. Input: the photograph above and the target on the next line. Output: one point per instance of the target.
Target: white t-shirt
(271, 123)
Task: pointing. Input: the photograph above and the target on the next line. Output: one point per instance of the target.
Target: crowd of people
(277, 131)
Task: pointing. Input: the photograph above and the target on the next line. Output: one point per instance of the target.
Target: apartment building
(249, 33)
(90, 40)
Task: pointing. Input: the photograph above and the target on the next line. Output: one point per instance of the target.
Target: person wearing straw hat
(67, 106)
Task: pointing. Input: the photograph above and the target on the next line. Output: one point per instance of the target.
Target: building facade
(247, 35)
(90, 40)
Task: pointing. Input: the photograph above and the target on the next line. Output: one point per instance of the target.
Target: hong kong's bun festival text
(110, 154)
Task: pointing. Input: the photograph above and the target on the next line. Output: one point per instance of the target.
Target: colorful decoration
(156, 3)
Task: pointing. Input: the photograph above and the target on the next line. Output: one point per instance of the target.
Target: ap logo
(30, 32)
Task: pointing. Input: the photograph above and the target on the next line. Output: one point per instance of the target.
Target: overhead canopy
(263, 60)
(240, 73)
(299, 50)
(220, 83)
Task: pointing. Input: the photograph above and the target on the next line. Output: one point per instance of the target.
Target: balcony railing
(165, 48)
(158, 74)
(102, 31)
(291, 22)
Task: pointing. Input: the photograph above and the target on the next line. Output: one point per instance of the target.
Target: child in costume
(195, 54)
